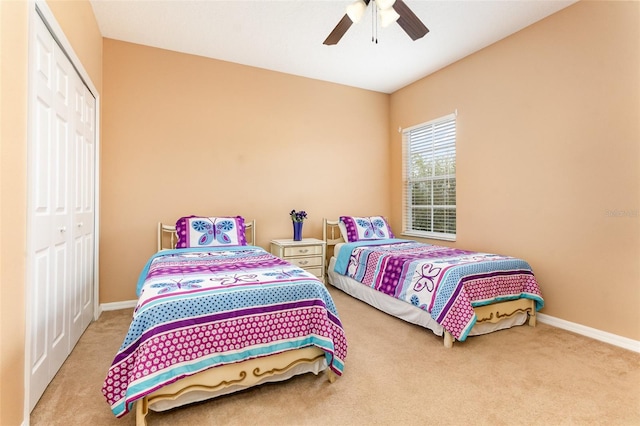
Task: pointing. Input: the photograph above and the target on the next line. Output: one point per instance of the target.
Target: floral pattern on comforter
(199, 308)
(444, 281)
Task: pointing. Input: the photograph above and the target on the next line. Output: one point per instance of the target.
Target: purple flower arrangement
(298, 216)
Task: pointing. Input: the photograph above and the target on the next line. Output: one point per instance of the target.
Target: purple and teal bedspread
(200, 308)
(444, 281)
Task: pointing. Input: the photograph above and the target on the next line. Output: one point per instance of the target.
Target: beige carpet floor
(395, 374)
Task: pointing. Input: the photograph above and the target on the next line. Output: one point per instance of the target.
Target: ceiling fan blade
(409, 22)
(338, 31)
(341, 28)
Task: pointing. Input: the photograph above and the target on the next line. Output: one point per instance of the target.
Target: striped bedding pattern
(444, 281)
(200, 308)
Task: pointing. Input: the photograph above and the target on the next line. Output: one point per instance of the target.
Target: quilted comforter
(444, 281)
(199, 308)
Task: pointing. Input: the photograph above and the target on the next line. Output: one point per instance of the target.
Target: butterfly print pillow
(365, 228)
(201, 231)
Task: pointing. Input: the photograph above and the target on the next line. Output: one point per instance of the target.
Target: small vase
(297, 231)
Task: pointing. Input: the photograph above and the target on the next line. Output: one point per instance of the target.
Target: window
(429, 204)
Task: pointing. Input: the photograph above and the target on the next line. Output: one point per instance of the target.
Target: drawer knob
(304, 262)
(304, 250)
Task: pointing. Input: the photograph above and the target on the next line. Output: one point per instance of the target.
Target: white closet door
(83, 211)
(61, 210)
(50, 219)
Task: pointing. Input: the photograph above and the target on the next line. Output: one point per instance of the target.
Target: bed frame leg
(142, 408)
(533, 318)
(331, 376)
(448, 340)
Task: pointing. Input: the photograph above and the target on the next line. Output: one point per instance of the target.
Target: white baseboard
(114, 306)
(603, 336)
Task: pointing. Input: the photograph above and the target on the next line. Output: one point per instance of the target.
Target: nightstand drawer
(306, 262)
(302, 251)
(317, 271)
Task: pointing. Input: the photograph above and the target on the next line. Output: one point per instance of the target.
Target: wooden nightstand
(309, 254)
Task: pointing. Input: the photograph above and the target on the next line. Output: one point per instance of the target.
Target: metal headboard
(331, 232)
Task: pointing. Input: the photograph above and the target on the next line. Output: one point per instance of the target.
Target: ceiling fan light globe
(388, 17)
(384, 4)
(355, 11)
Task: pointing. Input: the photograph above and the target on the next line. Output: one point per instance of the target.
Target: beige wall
(80, 27)
(548, 145)
(186, 135)
(13, 137)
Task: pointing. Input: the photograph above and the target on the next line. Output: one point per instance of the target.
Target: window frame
(408, 181)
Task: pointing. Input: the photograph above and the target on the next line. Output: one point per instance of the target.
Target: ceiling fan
(389, 11)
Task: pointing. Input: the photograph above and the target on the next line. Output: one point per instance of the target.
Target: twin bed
(217, 314)
(454, 293)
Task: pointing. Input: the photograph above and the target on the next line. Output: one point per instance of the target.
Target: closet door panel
(83, 209)
(60, 173)
(39, 335)
(61, 214)
(85, 221)
(59, 177)
(56, 318)
(78, 261)
(41, 225)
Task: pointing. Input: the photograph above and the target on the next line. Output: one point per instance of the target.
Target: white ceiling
(287, 35)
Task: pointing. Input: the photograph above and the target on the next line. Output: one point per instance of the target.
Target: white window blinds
(429, 202)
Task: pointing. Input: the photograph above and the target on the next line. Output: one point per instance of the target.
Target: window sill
(430, 235)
